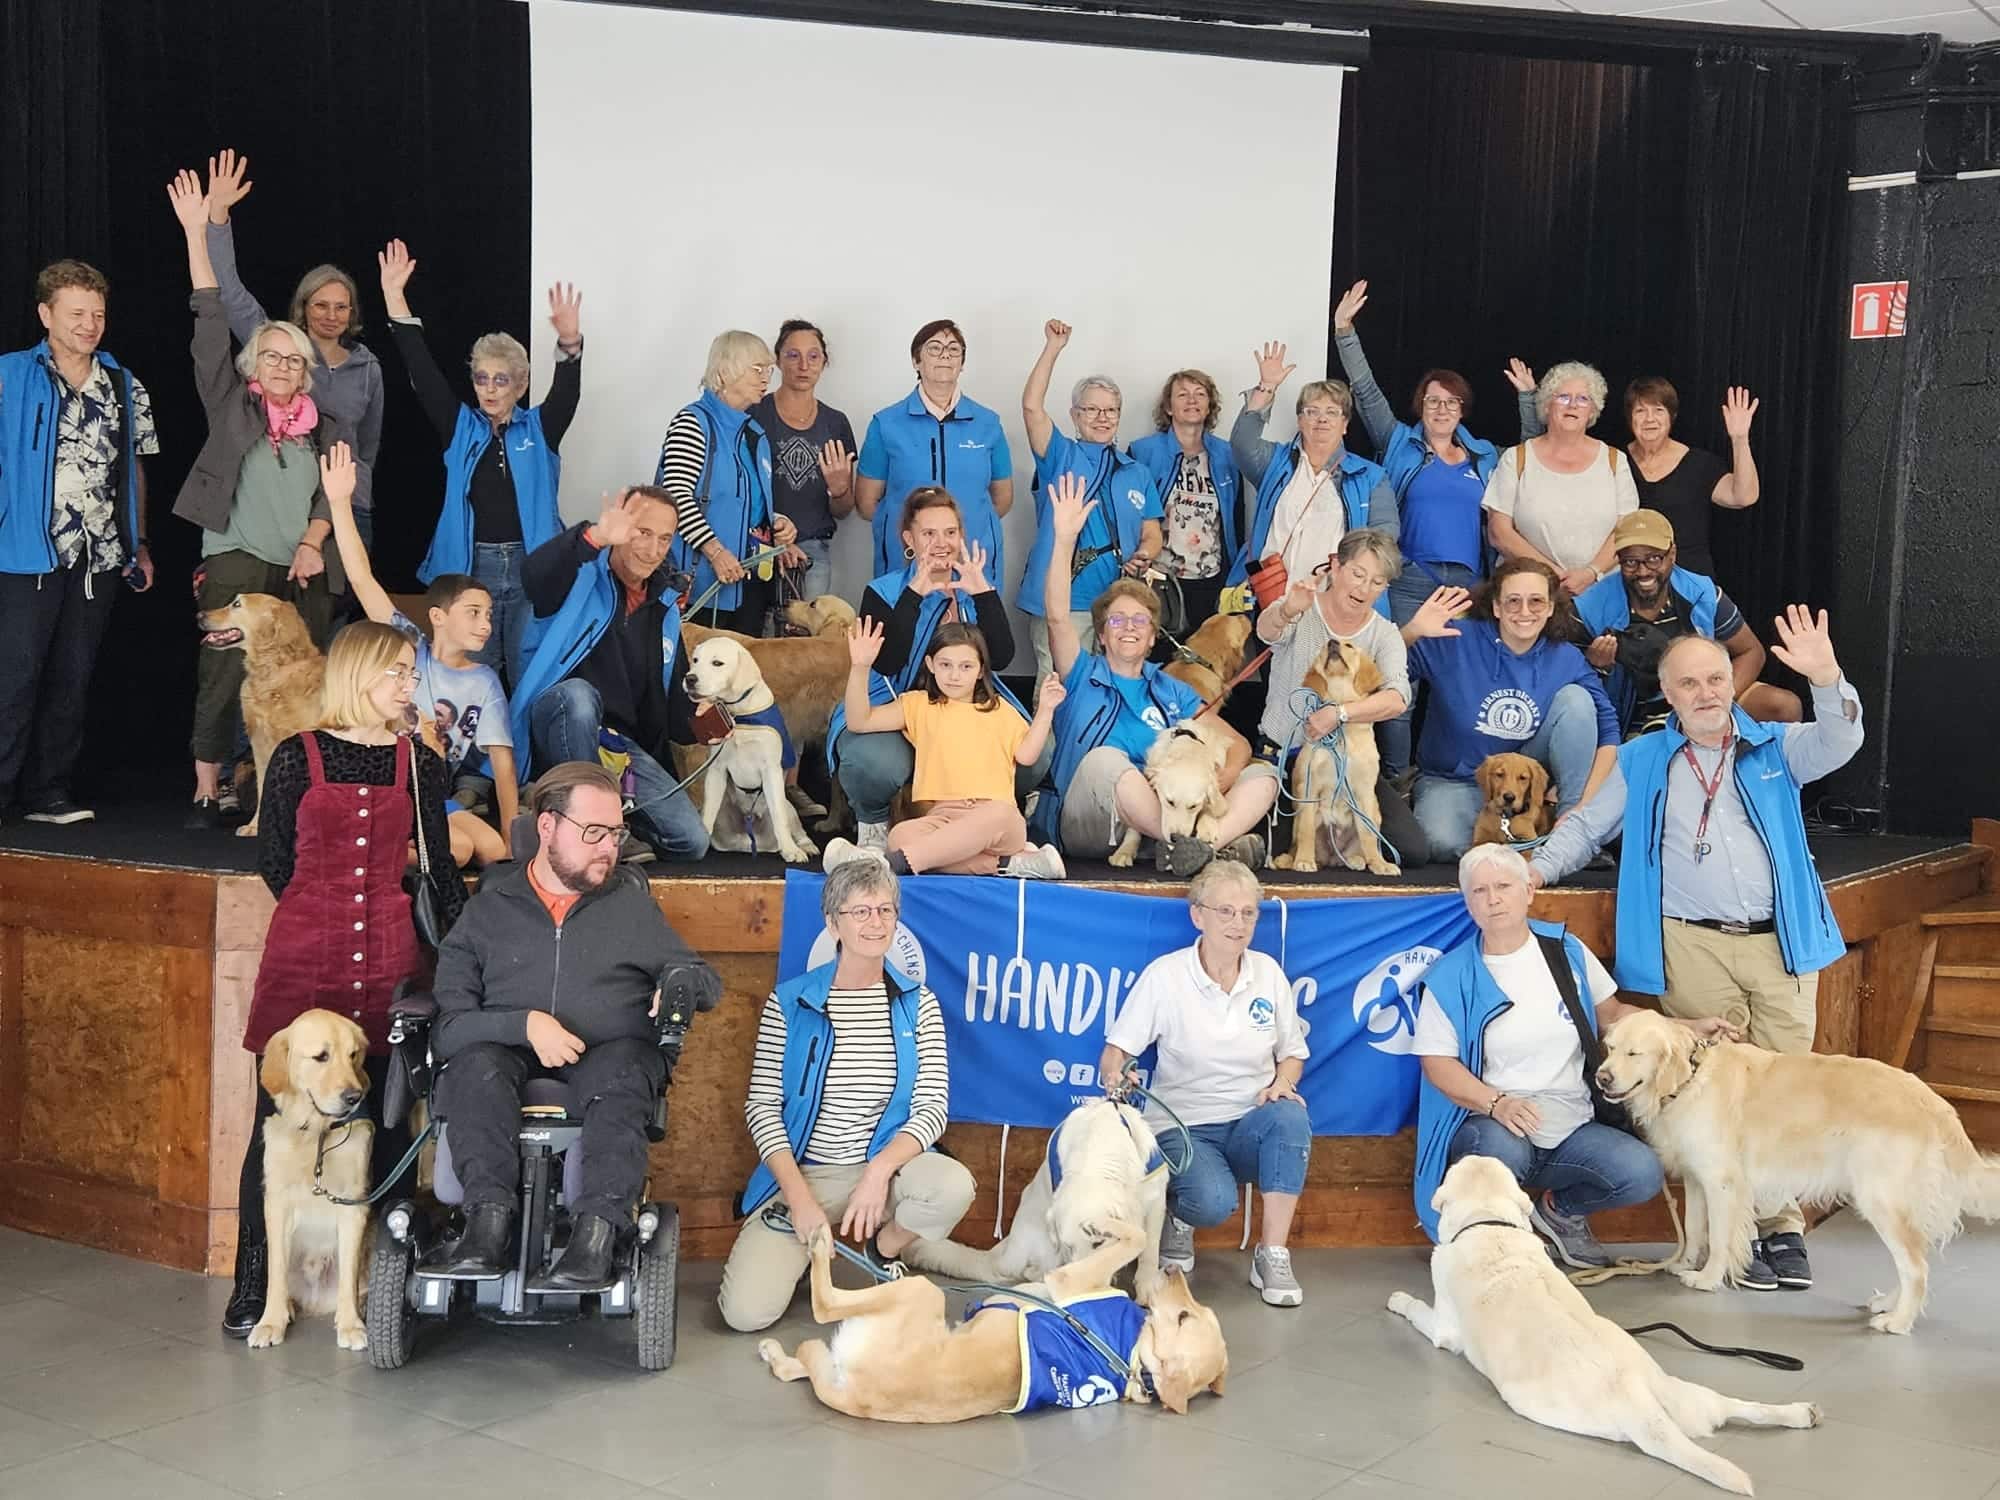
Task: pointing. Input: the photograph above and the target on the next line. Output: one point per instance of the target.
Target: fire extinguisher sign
(1878, 309)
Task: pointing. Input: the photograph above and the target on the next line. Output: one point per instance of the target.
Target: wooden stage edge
(126, 1098)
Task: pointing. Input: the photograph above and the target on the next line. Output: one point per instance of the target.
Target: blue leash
(1334, 744)
(1128, 1083)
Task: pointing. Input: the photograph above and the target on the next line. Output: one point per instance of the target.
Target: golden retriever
(1519, 1322)
(1221, 643)
(282, 673)
(897, 1358)
(1102, 1148)
(314, 1071)
(1344, 673)
(748, 772)
(1516, 789)
(1749, 1131)
(1184, 766)
(826, 615)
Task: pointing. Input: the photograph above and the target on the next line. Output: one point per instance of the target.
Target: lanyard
(1709, 789)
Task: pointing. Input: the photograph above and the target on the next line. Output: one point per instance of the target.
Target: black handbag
(426, 906)
(1603, 1110)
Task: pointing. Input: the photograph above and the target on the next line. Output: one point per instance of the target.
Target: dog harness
(771, 718)
(1156, 1160)
(1059, 1366)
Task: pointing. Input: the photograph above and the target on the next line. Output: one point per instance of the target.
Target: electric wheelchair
(403, 1293)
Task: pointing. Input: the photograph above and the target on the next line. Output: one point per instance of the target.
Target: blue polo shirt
(1127, 495)
(965, 453)
(1442, 519)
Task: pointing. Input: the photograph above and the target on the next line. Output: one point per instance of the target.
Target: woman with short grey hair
(850, 1089)
(1557, 497)
(716, 464)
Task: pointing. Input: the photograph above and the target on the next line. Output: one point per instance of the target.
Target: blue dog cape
(1058, 1365)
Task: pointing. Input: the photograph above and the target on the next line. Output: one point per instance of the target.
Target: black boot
(585, 1264)
(481, 1250)
(246, 1302)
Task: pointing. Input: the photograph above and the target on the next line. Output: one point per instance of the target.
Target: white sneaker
(1036, 862)
(841, 852)
(870, 836)
(1177, 1246)
(1271, 1274)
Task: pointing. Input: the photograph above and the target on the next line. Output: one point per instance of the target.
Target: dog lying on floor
(314, 1072)
(1222, 642)
(1516, 789)
(1102, 1165)
(1519, 1322)
(749, 771)
(1184, 766)
(283, 672)
(1749, 1130)
(896, 1358)
(1344, 673)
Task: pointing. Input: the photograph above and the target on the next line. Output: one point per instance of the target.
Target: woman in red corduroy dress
(336, 820)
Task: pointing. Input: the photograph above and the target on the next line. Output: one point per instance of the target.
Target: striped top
(681, 458)
(860, 1079)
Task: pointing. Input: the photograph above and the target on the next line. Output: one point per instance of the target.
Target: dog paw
(1809, 1414)
(1888, 1322)
(1383, 867)
(1145, 1288)
(267, 1335)
(1400, 1303)
(351, 1336)
(1120, 859)
(770, 1351)
(1881, 1302)
(1699, 1281)
(1281, 861)
(248, 830)
(795, 855)
(1305, 864)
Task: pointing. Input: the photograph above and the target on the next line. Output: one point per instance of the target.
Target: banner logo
(1383, 1002)
(905, 952)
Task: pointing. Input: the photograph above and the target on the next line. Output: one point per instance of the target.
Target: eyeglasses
(592, 833)
(867, 913)
(1127, 622)
(1518, 606)
(946, 352)
(762, 372)
(810, 359)
(1569, 398)
(1323, 414)
(400, 673)
(1642, 562)
(501, 381)
(1110, 412)
(1443, 403)
(277, 361)
(1231, 913)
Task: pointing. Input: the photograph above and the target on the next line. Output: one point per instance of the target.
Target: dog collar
(1694, 1068)
(1485, 1224)
(1146, 1380)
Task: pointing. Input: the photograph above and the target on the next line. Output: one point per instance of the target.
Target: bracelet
(1269, 390)
(304, 543)
(1494, 1105)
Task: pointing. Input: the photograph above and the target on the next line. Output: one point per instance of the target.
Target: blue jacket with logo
(1485, 700)
(30, 402)
(1127, 497)
(1605, 606)
(1466, 991)
(734, 491)
(536, 469)
(1160, 452)
(808, 1051)
(1084, 722)
(964, 452)
(1808, 936)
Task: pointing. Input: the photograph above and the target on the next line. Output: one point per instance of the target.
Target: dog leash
(1128, 1083)
(395, 1175)
(761, 555)
(1250, 666)
(1769, 1357)
(1334, 744)
(1518, 845)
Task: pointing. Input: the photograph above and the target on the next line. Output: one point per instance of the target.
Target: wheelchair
(403, 1294)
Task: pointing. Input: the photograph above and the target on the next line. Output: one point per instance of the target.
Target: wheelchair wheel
(654, 1288)
(392, 1322)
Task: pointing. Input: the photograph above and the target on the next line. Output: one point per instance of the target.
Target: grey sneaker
(1036, 862)
(1177, 1246)
(1271, 1274)
(1568, 1234)
(1785, 1254)
(871, 836)
(1246, 849)
(840, 852)
(1758, 1275)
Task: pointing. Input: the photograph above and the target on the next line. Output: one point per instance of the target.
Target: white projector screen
(698, 172)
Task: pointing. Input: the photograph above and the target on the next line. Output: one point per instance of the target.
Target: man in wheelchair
(551, 972)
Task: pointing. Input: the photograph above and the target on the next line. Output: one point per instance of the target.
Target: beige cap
(1642, 528)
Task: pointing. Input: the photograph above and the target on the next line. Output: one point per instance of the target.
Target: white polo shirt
(1218, 1049)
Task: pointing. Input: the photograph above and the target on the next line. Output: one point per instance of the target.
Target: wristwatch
(1343, 713)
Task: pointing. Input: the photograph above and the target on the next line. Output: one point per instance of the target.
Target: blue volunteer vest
(734, 491)
(1124, 490)
(534, 466)
(1606, 606)
(1083, 722)
(1161, 454)
(1407, 452)
(955, 453)
(1356, 476)
(30, 402)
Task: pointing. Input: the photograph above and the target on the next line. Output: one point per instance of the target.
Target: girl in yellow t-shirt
(968, 741)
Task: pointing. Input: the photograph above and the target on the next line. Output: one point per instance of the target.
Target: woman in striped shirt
(849, 1092)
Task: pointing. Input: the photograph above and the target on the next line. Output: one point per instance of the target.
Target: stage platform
(128, 950)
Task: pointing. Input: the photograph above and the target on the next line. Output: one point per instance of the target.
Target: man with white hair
(1715, 844)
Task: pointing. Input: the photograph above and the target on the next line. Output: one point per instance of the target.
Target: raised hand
(1519, 376)
(1299, 597)
(226, 187)
(336, 474)
(1351, 302)
(836, 467)
(565, 311)
(613, 525)
(864, 641)
(1433, 618)
(397, 266)
(190, 204)
(1805, 647)
(1738, 407)
(968, 574)
(1052, 695)
(1068, 507)
(1271, 367)
(1055, 333)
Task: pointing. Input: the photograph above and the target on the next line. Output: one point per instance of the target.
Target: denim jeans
(1566, 744)
(818, 579)
(874, 767)
(497, 565)
(1416, 583)
(1594, 1167)
(564, 725)
(1269, 1146)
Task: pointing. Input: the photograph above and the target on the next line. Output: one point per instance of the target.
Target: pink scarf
(295, 421)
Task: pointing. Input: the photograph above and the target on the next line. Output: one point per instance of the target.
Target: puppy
(1221, 643)
(896, 1358)
(1516, 789)
(1344, 673)
(1184, 766)
(314, 1071)
(1750, 1130)
(825, 615)
(1102, 1166)
(749, 770)
(283, 672)
(1520, 1323)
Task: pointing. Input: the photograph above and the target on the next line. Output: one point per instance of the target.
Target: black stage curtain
(1678, 218)
(363, 120)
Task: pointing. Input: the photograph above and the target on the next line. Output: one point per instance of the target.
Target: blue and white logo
(1137, 497)
(1383, 1002)
(905, 952)
(1508, 714)
(1262, 1014)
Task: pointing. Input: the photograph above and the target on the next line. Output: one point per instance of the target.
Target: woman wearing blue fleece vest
(1504, 679)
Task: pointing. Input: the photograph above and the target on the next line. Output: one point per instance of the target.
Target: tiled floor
(114, 1383)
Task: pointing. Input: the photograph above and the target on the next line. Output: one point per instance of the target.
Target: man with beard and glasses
(1634, 614)
(552, 972)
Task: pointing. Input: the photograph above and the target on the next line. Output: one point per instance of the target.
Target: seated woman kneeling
(1231, 1052)
(848, 1093)
(1504, 1064)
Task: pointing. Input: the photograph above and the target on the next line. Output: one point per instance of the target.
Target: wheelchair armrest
(412, 1004)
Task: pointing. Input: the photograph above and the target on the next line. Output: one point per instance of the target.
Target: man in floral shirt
(73, 426)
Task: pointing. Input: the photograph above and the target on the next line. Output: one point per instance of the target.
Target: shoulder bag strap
(417, 809)
(1565, 978)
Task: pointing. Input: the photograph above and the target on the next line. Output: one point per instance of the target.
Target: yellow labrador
(1750, 1130)
(314, 1070)
(1326, 821)
(897, 1358)
(749, 770)
(1519, 1322)
(1185, 767)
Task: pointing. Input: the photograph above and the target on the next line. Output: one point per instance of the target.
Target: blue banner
(1029, 974)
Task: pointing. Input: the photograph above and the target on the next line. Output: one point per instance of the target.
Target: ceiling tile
(1723, 12)
(1968, 25)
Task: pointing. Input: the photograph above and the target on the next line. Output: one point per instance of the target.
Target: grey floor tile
(1687, 1487)
(1155, 1453)
(1011, 1445)
(270, 1444)
(24, 1437)
(1507, 1457)
(490, 1380)
(40, 1331)
(1282, 1407)
(1376, 1487)
(149, 1297)
(472, 1466)
(832, 1463)
(102, 1472)
(1385, 1353)
(123, 1390)
(1844, 1461)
